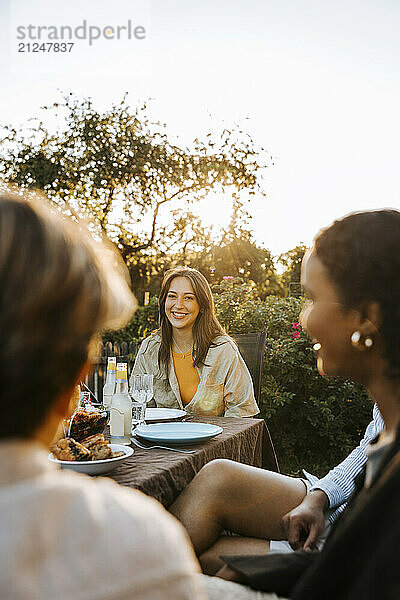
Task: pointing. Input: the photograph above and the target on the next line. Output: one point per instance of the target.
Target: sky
(315, 82)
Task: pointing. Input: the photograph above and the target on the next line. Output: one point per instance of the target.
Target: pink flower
(245, 290)
(227, 277)
(296, 334)
(295, 325)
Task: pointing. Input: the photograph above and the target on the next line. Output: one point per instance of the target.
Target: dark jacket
(361, 556)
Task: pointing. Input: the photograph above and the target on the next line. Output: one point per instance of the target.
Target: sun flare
(215, 210)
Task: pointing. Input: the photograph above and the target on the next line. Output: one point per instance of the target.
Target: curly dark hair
(362, 255)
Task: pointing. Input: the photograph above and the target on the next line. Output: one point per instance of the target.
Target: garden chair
(251, 347)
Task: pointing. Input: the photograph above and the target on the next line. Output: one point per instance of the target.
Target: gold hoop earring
(356, 341)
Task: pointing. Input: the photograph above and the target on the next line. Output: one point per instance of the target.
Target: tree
(234, 253)
(292, 260)
(239, 257)
(118, 170)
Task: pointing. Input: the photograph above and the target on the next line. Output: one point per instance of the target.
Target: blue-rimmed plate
(178, 433)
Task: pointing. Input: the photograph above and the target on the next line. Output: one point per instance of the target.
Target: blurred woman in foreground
(352, 280)
(196, 366)
(65, 535)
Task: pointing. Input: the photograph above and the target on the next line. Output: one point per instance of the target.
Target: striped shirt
(338, 484)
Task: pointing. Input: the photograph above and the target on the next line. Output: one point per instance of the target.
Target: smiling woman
(195, 365)
(351, 276)
(324, 313)
(181, 306)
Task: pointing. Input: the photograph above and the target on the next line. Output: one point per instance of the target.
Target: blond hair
(59, 288)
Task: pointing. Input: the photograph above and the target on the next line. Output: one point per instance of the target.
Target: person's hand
(304, 524)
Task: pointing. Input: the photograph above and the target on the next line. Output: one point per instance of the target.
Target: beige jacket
(69, 536)
(225, 387)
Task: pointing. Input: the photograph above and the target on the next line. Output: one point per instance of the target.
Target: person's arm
(338, 484)
(174, 573)
(305, 523)
(153, 558)
(238, 388)
(139, 368)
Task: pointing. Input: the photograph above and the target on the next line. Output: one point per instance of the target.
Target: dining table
(163, 473)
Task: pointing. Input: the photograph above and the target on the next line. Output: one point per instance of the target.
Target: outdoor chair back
(251, 347)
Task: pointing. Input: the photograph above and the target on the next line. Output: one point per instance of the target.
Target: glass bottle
(109, 386)
(121, 409)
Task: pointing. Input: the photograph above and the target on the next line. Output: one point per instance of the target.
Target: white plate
(154, 415)
(95, 467)
(178, 433)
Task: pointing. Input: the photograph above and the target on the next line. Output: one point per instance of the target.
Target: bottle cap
(112, 363)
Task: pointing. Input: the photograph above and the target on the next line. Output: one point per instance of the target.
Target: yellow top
(224, 377)
(186, 374)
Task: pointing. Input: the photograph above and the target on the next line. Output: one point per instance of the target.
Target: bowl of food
(92, 455)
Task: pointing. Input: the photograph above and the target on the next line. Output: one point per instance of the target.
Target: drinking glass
(141, 393)
(84, 399)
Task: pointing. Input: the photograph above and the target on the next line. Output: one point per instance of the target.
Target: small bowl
(95, 467)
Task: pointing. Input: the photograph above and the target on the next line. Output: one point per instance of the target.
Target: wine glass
(141, 392)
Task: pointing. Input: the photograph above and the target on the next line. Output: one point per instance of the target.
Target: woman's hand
(304, 524)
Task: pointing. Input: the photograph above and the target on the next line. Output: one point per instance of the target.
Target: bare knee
(200, 505)
(217, 474)
(205, 492)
